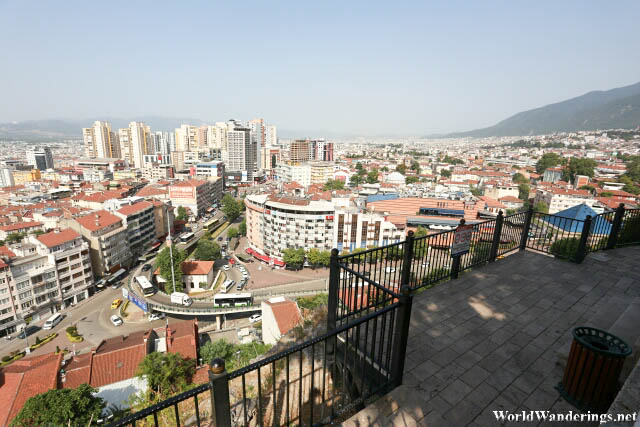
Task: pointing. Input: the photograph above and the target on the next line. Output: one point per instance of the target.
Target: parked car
(390, 270)
(116, 285)
(116, 303)
(220, 239)
(28, 331)
(156, 316)
(146, 267)
(226, 268)
(116, 320)
(425, 264)
(255, 318)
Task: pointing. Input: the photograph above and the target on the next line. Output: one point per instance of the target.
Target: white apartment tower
(141, 143)
(100, 141)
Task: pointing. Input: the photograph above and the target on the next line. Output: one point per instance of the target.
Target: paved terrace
(498, 338)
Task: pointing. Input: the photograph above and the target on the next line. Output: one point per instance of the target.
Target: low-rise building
(20, 227)
(279, 316)
(559, 199)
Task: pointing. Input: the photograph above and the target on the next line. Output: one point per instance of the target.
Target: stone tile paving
(498, 337)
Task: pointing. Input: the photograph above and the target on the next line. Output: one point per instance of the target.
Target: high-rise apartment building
(186, 138)
(141, 143)
(271, 136)
(300, 151)
(6, 177)
(40, 158)
(100, 141)
(241, 152)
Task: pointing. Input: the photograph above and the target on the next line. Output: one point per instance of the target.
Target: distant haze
(357, 68)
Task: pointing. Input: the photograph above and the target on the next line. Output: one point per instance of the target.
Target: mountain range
(612, 109)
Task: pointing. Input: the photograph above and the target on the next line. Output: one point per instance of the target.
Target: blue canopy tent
(572, 220)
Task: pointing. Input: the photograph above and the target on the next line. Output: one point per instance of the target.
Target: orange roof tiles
(197, 267)
(134, 208)
(182, 338)
(55, 238)
(117, 359)
(286, 313)
(20, 226)
(98, 220)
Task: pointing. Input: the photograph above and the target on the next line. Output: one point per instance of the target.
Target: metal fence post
(615, 227)
(455, 263)
(407, 258)
(497, 232)
(219, 386)
(584, 238)
(334, 284)
(527, 227)
(401, 336)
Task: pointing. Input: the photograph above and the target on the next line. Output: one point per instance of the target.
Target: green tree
(325, 258)
(446, 173)
(372, 177)
(589, 188)
(166, 373)
(68, 406)
(232, 232)
(182, 214)
(518, 178)
(313, 256)
(411, 179)
(293, 257)
(402, 168)
(606, 194)
(629, 186)
(355, 180)
(333, 184)
(163, 262)
(633, 168)
(548, 160)
(360, 168)
(579, 166)
(38, 232)
(231, 207)
(385, 169)
(242, 228)
(207, 250)
(15, 238)
(452, 160)
(523, 191)
(476, 191)
(541, 207)
(420, 232)
(220, 348)
(415, 166)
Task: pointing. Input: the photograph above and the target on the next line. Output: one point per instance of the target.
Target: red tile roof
(182, 338)
(117, 359)
(20, 226)
(55, 238)
(151, 191)
(97, 220)
(286, 313)
(78, 371)
(5, 251)
(197, 267)
(134, 208)
(26, 378)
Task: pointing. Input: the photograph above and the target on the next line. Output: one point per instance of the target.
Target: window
(22, 285)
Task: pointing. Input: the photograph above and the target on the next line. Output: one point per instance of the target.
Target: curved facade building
(276, 223)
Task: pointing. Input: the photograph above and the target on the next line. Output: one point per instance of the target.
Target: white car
(255, 318)
(156, 316)
(116, 320)
(424, 264)
(390, 270)
(226, 268)
(245, 274)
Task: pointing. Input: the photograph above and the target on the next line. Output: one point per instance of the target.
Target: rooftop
(498, 337)
(55, 238)
(97, 220)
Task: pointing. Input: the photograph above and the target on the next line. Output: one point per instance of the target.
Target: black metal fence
(362, 354)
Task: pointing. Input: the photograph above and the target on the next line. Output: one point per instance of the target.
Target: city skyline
(350, 69)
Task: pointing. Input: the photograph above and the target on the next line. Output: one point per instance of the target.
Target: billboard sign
(461, 240)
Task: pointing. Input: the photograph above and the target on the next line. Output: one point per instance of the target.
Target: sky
(359, 68)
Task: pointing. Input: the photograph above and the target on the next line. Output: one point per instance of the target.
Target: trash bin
(590, 380)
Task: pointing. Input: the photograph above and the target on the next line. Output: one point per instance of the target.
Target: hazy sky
(344, 66)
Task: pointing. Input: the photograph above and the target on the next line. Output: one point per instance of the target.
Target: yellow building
(125, 174)
(22, 177)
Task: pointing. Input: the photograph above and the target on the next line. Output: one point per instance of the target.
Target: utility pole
(170, 243)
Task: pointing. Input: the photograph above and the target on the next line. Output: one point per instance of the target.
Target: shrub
(565, 248)
(72, 330)
(57, 349)
(630, 232)
(38, 340)
(6, 358)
